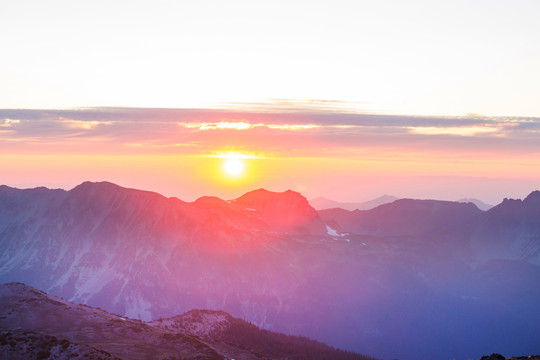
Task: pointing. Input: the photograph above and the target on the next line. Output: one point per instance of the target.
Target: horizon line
(257, 189)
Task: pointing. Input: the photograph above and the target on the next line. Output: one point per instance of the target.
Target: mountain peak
(479, 204)
(262, 196)
(94, 185)
(288, 209)
(533, 197)
(210, 200)
(262, 192)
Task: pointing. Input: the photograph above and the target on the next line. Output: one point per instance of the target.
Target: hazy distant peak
(322, 203)
(479, 204)
(429, 204)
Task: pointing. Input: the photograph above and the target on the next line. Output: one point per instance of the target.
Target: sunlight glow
(239, 125)
(242, 125)
(235, 155)
(233, 167)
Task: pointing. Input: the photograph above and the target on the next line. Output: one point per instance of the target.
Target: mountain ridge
(337, 276)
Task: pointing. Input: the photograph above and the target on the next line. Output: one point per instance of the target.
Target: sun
(233, 167)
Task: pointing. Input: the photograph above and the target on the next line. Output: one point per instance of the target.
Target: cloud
(294, 126)
(238, 125)
(322, 133)
(242, 125)
(9, 122)
(84, 125)
(454, 130)
(311, 106)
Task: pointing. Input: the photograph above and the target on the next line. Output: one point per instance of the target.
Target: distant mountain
(321, 203)
(36, 325)
(411, 279)
(479, 204)
(406, 217)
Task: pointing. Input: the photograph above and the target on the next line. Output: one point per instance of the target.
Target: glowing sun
(233, 167)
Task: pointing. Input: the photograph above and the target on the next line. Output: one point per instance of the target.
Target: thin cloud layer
(315, 134)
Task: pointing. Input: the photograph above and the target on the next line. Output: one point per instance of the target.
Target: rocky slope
(35, 325)
(27, 345)
(26, 309)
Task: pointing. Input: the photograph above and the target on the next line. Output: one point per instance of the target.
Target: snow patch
(331, 231)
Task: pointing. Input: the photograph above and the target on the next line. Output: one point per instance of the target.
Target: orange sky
(342, 156)
(254, 67)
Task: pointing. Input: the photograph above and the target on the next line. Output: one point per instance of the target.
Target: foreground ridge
(36, 325)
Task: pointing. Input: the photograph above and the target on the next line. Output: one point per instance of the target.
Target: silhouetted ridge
(209, 201)
(406, 217)
(513, 230)
(533, 197)
(527, 209)
(105, 188)
(261, 197)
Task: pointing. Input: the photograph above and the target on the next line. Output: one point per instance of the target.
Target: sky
(341, 156)
(344, 99)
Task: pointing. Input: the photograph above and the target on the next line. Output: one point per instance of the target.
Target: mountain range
(322, 203)
(410, 279)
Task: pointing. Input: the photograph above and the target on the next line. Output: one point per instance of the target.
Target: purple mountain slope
(413, 279)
